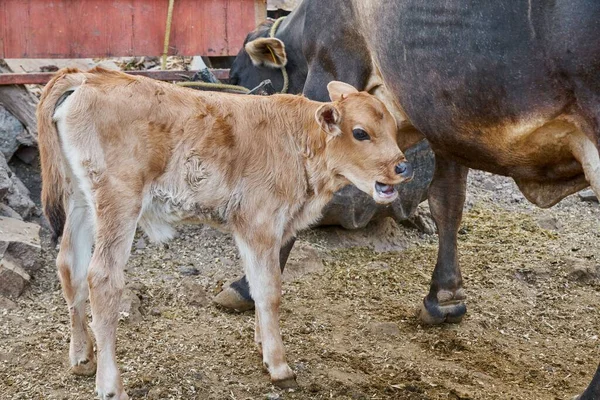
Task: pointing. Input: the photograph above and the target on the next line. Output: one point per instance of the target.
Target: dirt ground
(348, 316)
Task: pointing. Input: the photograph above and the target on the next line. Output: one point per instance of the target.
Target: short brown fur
(139, 151)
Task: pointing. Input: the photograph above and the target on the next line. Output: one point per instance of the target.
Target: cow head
(360, 142)
(261, 58)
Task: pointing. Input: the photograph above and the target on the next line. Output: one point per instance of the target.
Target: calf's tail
(54, 185)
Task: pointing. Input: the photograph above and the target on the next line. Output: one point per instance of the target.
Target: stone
(588, 195)
(26, 254)
(579, 270)
(549, 223)
(13, 279)
(384, 329)
(6, 174)
(129, 307)
(18, 199)
(273, 396)
(19, 253)
(140, 244)
(188, 271)
(7, 304)
(195, 293)
(422, 220)
(6, 211)
(304, 259)
(20, 241)
(12, 133)
(27, 154)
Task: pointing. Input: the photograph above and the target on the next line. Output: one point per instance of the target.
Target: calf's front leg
(261, 264)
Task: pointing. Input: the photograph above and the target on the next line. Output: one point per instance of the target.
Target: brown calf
(118, 150)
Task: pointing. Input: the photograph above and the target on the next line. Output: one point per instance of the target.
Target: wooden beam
(41, 78)
(22, 104)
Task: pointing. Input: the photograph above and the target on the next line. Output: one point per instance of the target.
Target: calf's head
(360, 142)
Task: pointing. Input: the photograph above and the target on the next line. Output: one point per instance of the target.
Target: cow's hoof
(231, 300)
(287, 383)
(448, 307)
(84, 368)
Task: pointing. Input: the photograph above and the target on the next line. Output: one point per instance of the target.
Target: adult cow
(507, 86)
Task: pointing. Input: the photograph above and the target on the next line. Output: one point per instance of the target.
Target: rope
(224, 86)
(163, 63)
(272, 32)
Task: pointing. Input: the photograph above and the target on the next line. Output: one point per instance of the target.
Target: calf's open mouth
(385, 191)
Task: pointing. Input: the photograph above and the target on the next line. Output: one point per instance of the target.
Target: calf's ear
(269, 52)
(329, 119)
(338, 90)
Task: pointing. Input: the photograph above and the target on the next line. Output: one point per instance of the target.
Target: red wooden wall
(102, 28)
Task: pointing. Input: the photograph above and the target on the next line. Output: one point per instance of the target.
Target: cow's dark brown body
(508, 86)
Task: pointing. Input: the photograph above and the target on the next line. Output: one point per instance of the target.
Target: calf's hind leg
(72, 262)
(262, 269)
(115, 228)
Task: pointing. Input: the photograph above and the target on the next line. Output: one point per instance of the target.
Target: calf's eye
(360, 134)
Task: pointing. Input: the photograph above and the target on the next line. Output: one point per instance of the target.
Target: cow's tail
(54, 185)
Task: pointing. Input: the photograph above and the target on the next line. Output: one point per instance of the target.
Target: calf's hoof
(231, 300)
(84, 368)
(112, 395)
(287, 383)
(447, 307)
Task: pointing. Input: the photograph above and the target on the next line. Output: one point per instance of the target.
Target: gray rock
(6, 211)
(549, 223)
(384, 329)
(7, 304)
(6, 182)
(581, 271)
(140, 244)
(195, 293)
(588, 195)
(27, 154)
(422, 220)
(12, 133)
(304, 259)
(188, 271)
(13, 279)
(129, 307)
(18, 199)
(19, 255)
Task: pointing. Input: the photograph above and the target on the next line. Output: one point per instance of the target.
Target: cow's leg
(445, 301)
(115, 229)
(237, 296)
(587, 154)
(264, 276)
(593, 390)
(72, 262)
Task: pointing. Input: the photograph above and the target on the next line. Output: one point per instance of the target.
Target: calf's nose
(404, 169)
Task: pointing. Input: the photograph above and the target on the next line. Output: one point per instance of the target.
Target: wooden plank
(41, 78)
(102, 28)
(22, 104)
